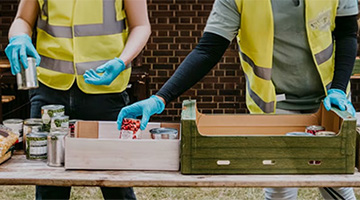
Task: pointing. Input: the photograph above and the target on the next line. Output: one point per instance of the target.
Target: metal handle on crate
(268, 162)
(223, 162)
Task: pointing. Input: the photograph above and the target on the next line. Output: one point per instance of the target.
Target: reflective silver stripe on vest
(324, 55)
(55, 31)
(108, 27)
(265, 107)
(264, 73)
(82, 67)
(67, 66)
(57, 65)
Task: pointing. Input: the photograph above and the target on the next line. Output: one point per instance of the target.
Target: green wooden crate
(257, 144)
(356, 69)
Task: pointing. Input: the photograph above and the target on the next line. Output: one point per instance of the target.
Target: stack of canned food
(43, 138)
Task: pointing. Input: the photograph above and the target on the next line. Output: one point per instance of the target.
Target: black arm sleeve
(196, 65)
(345, 50)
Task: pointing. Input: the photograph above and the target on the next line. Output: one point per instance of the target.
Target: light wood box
(97, 146)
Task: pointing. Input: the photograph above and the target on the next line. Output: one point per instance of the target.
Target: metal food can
(56, 147)
(314, 128)
(130, 129)
(16, 126)
(36, 146)
(27, 78)
(31, 125)
(49, 111)
(299, 134)
(60, 122)
(72, 123)
(164, 133)
(325, 133)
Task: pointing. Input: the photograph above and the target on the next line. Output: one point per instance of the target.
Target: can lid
(61, 117)
(299, 134)
(33, 121)
(315, 127)
(163, 130)
(53, 107)
(12, 121)
(325, 133)
(31, 58)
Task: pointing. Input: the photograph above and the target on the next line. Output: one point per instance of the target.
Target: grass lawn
(88, 193)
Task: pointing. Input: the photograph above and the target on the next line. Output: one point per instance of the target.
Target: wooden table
(19, 171)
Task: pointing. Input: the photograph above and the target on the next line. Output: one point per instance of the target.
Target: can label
(72, 127)
(60, 122)
(313, 129)
(50, 111)
(36, 146)
(130, 129)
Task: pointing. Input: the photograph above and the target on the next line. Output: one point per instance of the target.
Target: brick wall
(7, 13)
(176, 28)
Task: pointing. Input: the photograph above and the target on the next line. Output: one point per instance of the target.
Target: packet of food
(7, 140)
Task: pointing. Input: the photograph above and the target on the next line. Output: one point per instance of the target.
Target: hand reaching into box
(145, 108)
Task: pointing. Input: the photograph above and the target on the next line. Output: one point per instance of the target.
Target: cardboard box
(96, 145)
(257, 144)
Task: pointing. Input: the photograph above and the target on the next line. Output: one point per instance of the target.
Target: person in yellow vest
(294, 54)
(83, 49)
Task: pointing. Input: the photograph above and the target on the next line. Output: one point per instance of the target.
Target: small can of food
(48, 112)
(164, 133)
(314, 128)
(27, 78)
(60, 122)
(72, 123)
(36, 146)
(31, 125)
(130, 129)
(16, 125)
(325, 133)
(56, 147)
(299, 134)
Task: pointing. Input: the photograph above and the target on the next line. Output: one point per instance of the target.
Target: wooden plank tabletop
(19, 171)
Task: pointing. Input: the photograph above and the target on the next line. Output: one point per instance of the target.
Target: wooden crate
(96, 145)
(257, 144)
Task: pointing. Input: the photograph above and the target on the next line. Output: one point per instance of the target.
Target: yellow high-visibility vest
(256, 40)
(76, 35)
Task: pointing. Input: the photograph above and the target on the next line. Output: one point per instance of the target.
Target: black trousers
(78, 105)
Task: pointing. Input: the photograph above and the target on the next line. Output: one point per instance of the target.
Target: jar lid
(13, 121)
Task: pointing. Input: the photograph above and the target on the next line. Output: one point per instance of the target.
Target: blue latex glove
(19, 48)
(110, 70)
(146, 108)
(338, 98)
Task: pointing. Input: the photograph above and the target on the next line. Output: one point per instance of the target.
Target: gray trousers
(291, 193)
